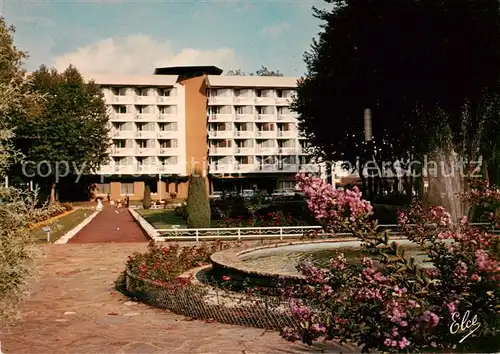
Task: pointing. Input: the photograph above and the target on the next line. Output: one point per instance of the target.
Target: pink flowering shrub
(337, 210)
(389, 302)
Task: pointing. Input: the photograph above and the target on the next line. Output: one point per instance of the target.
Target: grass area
(165, 219)
(162, 219)
(63, 225)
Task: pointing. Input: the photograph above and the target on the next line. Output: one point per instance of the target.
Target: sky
(134, 37)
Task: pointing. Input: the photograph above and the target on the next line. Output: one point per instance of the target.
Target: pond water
(284, 261)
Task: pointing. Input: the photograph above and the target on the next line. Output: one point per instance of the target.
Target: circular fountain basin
(270, 265)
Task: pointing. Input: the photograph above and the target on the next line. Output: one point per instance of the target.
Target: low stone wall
(146, 226)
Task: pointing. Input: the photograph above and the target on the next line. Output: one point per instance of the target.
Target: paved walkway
(111, 225)
(73, 308)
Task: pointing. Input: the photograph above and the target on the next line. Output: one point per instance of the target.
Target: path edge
(70, 234)
(146, 226)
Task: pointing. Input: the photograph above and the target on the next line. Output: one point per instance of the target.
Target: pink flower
(226, 278)
(403, 343)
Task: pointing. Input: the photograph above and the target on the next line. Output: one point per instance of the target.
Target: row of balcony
(145, 117)
(259, 167)
(220, 134)
(248, 100)
(130, 134)
(228, 151)
(214, 168)
(144, 151)
(252, 117)
(142, 169)
(131, 99)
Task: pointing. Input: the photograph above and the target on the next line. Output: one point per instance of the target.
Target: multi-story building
(239, 130)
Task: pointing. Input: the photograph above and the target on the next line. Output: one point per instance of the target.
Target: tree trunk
(53, 193)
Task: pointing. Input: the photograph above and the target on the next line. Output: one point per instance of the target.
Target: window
(127, 188)
(142, 92)
(244, 109)
(102, 188)
(167, 92)
(142, 109)
(119, 91)
(286, 143)
(125, 127)
(168, 144)
(170, 160)
(220, 109)
(146, 127)
(284, 110)
(123, 161)
(265, 110)
(168, 127)
(267, 143)
(245, 160)
(168, 109)
(265, 127)
(284, 127)
(121, 109)
(258, 93)
(279, 93)
(145, 144)
(120, 144)
(286, 185)
(221, 93)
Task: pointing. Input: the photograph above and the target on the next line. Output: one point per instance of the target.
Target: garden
(382, 298)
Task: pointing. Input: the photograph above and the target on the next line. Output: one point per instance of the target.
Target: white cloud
(277, 30)
(140, 54)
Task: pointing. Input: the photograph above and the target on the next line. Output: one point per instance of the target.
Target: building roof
(251, 81)
(187, 72)
(133, 80)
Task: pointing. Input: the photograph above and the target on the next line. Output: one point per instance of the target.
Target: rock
(70, 313)
(61, 320)
(130, 303)
(113, 313)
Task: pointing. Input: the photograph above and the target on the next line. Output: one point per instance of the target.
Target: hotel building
(239, 130)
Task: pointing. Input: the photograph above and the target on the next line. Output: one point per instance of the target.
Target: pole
(159, 188)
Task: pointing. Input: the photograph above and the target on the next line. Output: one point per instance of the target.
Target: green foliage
(71, 128)
(198, 205)
(146, 201)
(377, 55)
(16, 209)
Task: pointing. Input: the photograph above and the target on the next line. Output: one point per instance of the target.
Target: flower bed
(40, 216)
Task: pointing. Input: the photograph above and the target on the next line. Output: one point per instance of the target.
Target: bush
(146, 201)
(388, 302)
(17, 212)
(198, 205)
(181, 210)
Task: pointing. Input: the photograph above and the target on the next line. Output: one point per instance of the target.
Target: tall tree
(71, 132)
(403, 59)
(16, 239)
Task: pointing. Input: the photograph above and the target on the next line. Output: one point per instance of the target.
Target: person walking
(127, 202)
(99, 205)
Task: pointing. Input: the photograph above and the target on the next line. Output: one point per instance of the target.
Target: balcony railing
(121, 116)
(145, 134)
(288, 151)
(166, 133)
(265, 117)
(250, 117)
(222, 150)
(167, 116)
(122, 151)
(220, 117)
(244, 133)
(167, 150)
(266, 150)
(266, 134)
(221, 134)
(122, 133)
(287, 134)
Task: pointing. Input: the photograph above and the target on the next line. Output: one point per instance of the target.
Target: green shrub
(146, 201)
(198, 205)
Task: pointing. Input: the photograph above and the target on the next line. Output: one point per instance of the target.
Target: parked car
(248, 193)
(216, 195)
(283, 193)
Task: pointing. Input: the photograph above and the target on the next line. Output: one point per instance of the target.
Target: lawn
(63, 225)
(162, 219)
(165, 219)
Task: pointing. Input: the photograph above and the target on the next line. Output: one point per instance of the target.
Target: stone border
(230, 260)
(70, 234)
(51, 220)
(146, 226)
